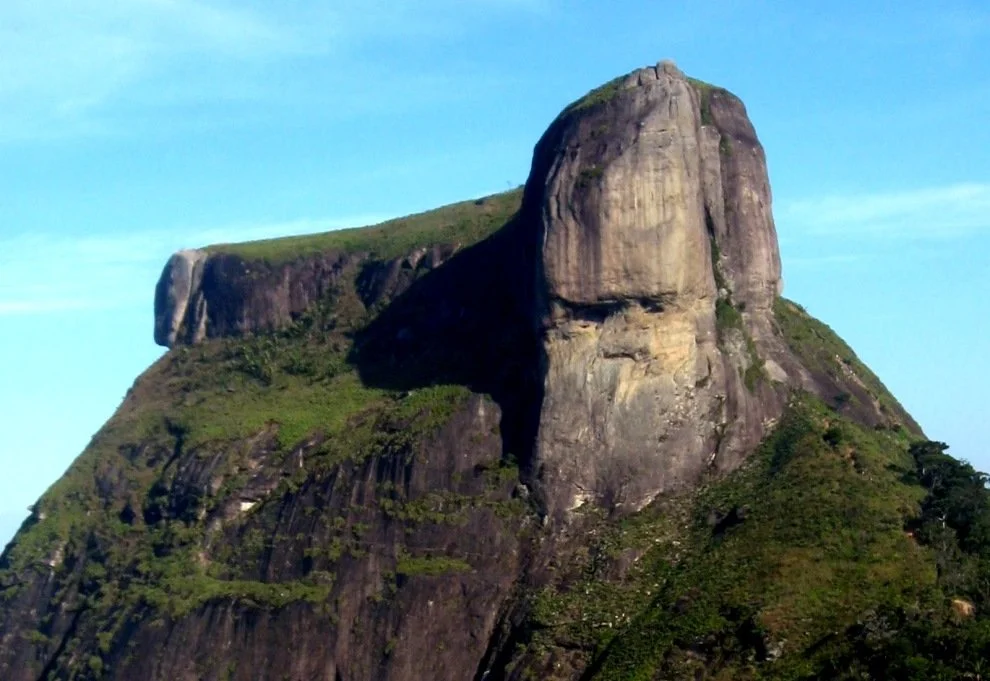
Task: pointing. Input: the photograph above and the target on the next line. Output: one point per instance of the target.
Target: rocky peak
(646, 224)
(632, 184)
(179, 286)
(659, 266)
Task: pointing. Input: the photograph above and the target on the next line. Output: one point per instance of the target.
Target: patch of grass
(725, 146)
(705, 92)
(751, 576)
(192, 403)
(588, 176)
(430, 566)
(439, 508)
(600, 95)
(460, 223)
(182, 595)
(716, 254)
(755, 372)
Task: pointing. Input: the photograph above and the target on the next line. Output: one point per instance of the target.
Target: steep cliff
(568, 433)
(653, 205)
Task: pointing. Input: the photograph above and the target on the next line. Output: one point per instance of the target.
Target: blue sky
(131, 129)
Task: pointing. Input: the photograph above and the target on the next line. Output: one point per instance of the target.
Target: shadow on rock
(471, 323)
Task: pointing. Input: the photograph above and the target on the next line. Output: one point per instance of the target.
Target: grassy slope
(794, 546)
(804, 564)
(459, 223)
(820, 542)
(823, 352)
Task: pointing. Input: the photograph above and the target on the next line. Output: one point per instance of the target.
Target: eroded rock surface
(179, 312)
(653, 205)
(209, 295)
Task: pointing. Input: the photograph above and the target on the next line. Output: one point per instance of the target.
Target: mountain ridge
(572, 433)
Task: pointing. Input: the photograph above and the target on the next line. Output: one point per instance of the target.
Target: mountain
(567, 432)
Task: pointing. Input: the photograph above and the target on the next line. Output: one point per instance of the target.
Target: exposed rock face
(393, 621)
(650, 196)
(178, 299)
(202, 295)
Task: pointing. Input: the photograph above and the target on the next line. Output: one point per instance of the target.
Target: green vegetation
(459, 223)
(178, 597)
(729, 320)
(588, 176)
(823, 352)
(600, 95)
(725, 146)
(141, 541)
(792, 564)
(797, 544)
(716, 255)
(726, 315)
(755, 371)
(837, 551)
(430, 566)
(705, 92)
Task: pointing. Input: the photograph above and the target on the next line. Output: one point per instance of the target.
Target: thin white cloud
(61, 60)
(48, 273)
(80, 67)
(935, 212)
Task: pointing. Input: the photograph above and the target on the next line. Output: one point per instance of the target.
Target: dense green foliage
(837, 552)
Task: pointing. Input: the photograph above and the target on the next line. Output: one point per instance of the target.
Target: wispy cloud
(48, 273)
(71, 67)
(931, 213)
(61, 60)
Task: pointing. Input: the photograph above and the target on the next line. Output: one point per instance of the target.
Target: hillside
(572, 432)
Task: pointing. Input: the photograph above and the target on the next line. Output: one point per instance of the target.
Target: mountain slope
(568, 433)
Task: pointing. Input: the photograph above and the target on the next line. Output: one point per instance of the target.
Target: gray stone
(177, 287)
(642, 392)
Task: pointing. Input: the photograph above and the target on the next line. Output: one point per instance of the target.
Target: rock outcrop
(179, 303)
(204, 295)
(648, 215)
(652, 203)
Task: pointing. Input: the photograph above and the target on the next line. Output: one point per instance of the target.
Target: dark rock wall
(212, 295)
(377, 623)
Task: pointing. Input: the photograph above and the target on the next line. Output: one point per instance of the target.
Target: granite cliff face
(383, 453)
(202, 295)
(654, 210)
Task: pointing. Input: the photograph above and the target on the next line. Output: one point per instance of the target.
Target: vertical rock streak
(643, 390)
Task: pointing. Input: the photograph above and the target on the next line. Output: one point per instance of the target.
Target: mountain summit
(568, 432)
